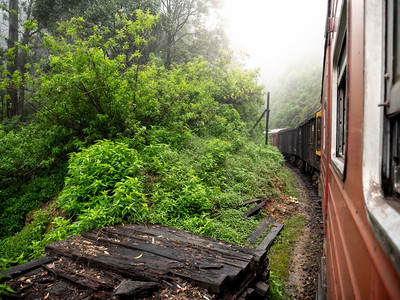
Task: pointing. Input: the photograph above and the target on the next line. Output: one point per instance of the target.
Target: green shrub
(99, 177)
(17, 201)
(19, 248)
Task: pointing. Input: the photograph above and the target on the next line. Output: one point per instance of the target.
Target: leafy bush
(24, 149)
(17, 201)
(103, 186)
(18, 248)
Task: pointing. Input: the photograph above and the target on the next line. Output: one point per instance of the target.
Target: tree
(14, 103)
(182, 33)
(20, 32)
(297, 99)
(182, 26)
(50, 13)
(85, 90)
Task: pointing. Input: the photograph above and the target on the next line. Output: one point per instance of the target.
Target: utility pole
(267, 120)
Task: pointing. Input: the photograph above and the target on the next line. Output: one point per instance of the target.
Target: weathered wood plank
(204, 257)
(251, 202)
(122, 261)
(258, 232)
(194, 240)
(136, 289)
(26, 267)
(248, 281)
(201, 243)
(184, 255)
(42, 284)
(97, 262)
(134, 264)
(268, 240)
(253, 238)
(254, 210)
(247, 294)
(85, 276)
(262, 288)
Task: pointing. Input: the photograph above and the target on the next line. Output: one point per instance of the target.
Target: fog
(279, 36)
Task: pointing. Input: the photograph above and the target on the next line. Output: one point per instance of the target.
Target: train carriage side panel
(357, 264)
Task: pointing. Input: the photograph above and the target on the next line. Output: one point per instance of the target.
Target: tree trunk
(22, 60)
(13, 105)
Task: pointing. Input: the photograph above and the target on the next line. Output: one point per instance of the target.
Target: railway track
(306, 276)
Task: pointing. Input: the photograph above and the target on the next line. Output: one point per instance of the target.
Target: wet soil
(306, 257)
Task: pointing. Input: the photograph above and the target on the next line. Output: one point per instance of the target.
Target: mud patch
(306, 256)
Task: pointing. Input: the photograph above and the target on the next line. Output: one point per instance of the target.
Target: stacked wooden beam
(136, 261)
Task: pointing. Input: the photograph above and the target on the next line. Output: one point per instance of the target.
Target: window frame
(391, 139)
(340, 81)
(383, 213)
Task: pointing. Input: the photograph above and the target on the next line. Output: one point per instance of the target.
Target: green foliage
(238, 88)
(183, 98)
(17, 201)
(103, 186)
(31, 170)
(280, 255)
(277, 288)
(27, 148)
(230, 226)
(4, 288)
(297, 99)
(19, 248)
(99, 12)
(84, 89)
(93, 93)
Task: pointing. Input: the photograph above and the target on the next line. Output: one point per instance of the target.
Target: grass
(280, 254)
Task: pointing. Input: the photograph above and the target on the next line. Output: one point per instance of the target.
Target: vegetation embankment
(110, 140)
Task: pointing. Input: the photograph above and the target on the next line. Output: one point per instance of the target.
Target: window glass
(395, 155)
(392, 57)
(341, 116)
(391, 139)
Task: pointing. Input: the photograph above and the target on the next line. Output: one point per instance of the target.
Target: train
(353, 146)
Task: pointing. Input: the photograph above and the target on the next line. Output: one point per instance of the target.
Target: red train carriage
(360, 151)
(273, 136)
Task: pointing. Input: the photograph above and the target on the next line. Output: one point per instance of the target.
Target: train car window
(391, 146)
(339, 95)
(392, 57)
(341, 124)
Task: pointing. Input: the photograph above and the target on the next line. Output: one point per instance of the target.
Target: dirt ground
(306, 258)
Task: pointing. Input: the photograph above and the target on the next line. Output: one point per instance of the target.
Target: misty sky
(279, 35)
